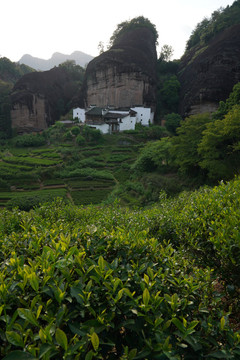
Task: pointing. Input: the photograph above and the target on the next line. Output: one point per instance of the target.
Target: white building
(79, 114)
(109, 120)
(144, 115)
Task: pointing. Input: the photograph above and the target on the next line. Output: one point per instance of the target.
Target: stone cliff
(208, 74)
(39, 98)
(125, 75)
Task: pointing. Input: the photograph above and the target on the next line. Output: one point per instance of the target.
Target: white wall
(104, 128)
(128, 123)
(144, 115)
(80, 114)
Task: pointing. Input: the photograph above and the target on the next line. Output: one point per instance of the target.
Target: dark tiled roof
(111, 115)
(94, 111)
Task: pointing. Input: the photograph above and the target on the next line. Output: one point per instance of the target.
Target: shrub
(32, 199)
(75, 130)
(80, 140)
(93, 283)
(91, 134)
(172, 122)
(4, 185)
(29, 140)
(154, 155)
(68, 136)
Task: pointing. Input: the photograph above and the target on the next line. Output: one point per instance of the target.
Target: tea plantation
(109, 282)
(84, 174)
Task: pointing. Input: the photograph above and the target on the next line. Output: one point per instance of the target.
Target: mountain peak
(57, 58)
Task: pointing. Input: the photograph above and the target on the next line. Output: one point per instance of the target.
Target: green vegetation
(114, 283)
(121, 246)
(10, 71)
(183, 155)
(27, 140)
(65, 169)
(220, 20)
(168, 87)
(203, 147)
(125, 26)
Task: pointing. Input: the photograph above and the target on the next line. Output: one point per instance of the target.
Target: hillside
(210, 66)
(57, 58)
(40, 98)
(208, 28)
(208, 73)
(10, 72)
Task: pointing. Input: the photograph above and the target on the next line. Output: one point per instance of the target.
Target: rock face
(125, 75)
(37, 99)
(207, 75)
(29, 114)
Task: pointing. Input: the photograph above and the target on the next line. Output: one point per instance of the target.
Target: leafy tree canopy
(220, 20)
(76, 71)
(137, 22)
(154, 155)
(219, 146)
(185, 145)
(170, 93)
(173, 122)
(166, 52)
(225, 107)
(11, 71)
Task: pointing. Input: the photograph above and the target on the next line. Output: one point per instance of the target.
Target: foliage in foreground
(112, 283)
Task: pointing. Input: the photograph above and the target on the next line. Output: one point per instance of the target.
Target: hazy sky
(43, 27)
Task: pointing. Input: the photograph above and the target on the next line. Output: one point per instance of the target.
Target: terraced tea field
(85, 175)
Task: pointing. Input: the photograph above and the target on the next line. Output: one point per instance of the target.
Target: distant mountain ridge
(57, 58)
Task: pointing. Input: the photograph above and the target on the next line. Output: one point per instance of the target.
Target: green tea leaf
(146, 279)
(221, 354)
(34, 282)
(116, 283)
(222, 323)
(14, 338)
(88, 286)
(39, 311)
(150, 273)
(19, 355)
(146, 297)
(44, 349)
(101, 263)
(179, 325)
(89, 355)
(132, 354)
(95, 341)
(193, 324)
(61, 339)
(42, 336)
(26, 314)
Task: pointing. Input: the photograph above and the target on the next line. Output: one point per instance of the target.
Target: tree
(170, 93)
(225, 107)
(185, 145)
(101, 47)
(173, 122)
(154, 156)
(219, 146)
(125, 26)
(166, 52)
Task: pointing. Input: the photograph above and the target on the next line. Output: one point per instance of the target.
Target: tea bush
(28, 140)
(92, 283)
(31, 199)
